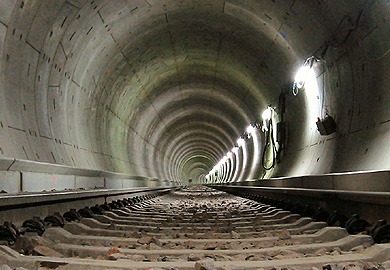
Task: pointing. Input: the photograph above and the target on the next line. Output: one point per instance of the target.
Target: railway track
(193, 228)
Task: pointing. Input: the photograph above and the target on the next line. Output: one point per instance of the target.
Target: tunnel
(155, 110)
(165, 93)
(164, 89)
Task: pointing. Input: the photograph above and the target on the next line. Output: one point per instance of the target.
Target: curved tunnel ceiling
(163, 89)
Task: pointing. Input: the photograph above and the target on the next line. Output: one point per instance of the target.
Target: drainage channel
(191, 228)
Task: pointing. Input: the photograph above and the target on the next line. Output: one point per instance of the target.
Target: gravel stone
(194, 257)
(285, 235)
(235, 235)
(117, 256)
(207, 264)
(46, 251)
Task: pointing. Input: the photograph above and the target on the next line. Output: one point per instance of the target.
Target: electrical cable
(269, 142)
(380, 57)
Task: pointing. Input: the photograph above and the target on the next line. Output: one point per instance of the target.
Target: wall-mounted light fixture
(267, 118)
(267, 114)
(304, 74)
(306, 79)
(269, 145)
(248, 133)
(250, 129)
(240, 142)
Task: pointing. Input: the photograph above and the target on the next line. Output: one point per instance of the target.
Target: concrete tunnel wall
(163, 89)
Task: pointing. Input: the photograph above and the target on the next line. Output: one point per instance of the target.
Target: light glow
(250, 129)
(229, 154)
(301, 76)
(267, 114)
(240, 142)
(306, 77)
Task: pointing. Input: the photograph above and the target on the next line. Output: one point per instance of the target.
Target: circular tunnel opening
(163, 89)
